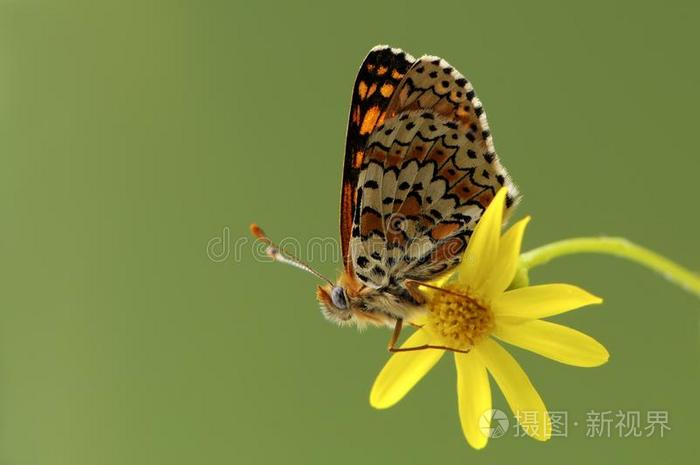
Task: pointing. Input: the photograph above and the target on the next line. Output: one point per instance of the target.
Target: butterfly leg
(412, 288)
(395, 337)
(412, 284)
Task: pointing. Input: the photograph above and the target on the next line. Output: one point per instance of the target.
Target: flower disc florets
(460, 320)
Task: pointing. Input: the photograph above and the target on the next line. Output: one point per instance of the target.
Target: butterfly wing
(380, 74)
(426, 177)
(432, 83)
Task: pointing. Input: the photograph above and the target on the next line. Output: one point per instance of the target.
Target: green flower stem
(616, 246)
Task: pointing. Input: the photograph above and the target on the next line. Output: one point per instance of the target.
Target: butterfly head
(335, 303)
(349, 302)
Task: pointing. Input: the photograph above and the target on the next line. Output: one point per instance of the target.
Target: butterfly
(420, 169)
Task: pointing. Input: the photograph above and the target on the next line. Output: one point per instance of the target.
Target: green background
(133, 133)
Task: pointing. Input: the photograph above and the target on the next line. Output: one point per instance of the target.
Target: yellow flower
(468, 311)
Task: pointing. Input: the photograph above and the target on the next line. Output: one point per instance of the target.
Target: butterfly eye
(338, 297)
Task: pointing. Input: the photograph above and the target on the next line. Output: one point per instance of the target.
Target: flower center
(460, 320)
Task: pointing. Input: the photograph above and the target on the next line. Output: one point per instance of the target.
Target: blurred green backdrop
(134, 133)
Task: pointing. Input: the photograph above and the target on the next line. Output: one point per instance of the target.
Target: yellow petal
(474, 397)
(542, 301)
(403, 371)
(507, 260)
(480, 256)
(519, 392)
(554, 341)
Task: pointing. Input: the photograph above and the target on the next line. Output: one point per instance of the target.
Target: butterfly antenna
(278, 255)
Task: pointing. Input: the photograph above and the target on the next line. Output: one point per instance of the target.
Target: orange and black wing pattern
(377, 80)
(428, 172)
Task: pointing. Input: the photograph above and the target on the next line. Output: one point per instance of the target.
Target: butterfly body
(363, 305)
(420, 169)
